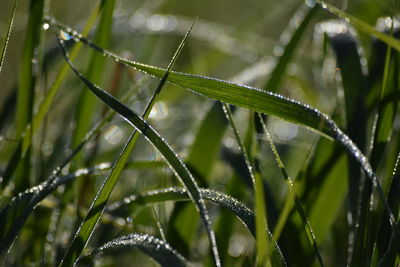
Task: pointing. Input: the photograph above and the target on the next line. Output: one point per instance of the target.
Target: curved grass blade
(291, 187)
(361, 25)
(260, 101)
(152, 136)
(17, 211)
(180, 194)
(277, 74)
(156, 248)
(8, 34)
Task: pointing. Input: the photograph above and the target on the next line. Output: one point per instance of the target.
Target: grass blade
(157, 249)
(179, 194)
(279, 70)
(8, 34)
(144, 128)
(361, 25)
(87, 102)
(262, 237)
(25, 142)
(260, 101)
(291, 187)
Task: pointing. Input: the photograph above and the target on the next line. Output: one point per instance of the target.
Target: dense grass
(302, 172)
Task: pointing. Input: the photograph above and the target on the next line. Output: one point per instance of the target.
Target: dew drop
(65, 36)
(46, 26)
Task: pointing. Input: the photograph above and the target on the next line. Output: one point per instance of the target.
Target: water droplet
(65, 36)
(46, 26)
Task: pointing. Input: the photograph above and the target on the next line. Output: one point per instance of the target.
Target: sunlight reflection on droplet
(159, 111)
(113, 135)
(46, 26)
(237, 245)
(156, 22)
(65, 36)
(285, 130)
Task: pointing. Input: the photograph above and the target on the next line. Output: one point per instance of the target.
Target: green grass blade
(175, 163)
(87, 102)
(291, 187)
(361, 25)
(20, 208)
(260, 101)
(26, 85)
(44, 107)
(262, 237)
(8, 34)
(277, 75)
(157, 249)
(206, 147)
(179, 194)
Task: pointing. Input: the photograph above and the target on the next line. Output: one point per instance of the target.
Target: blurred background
(233, 40)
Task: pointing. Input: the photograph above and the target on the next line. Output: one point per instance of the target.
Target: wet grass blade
(277, 75)
(20, 208)
(260, 101)
(361, 25)
(157, 249)
(291, 187)
(8, 34)
(144, 128)
(179, 194)
(262, 237)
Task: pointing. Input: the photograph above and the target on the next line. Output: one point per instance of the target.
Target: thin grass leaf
(19, 209)
(175, 163)
(262, 237)
(291, 187)
(305, 14)
(180, 194)
(44, 107)
(361, 25)
(86, 105)
(260, 101)
(8, 34)
(26, 85)
(157, 249)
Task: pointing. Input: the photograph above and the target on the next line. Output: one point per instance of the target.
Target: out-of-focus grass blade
(387, 107)
(179, 194)
(19, 209)
(291, 187)
(345, 46)
(262, 238)
(144, 128)
(361, 25)
(206, 146)
(25, 142)
(26, 85)
(260, 101)
(86, 101)
(157, 249)
(279, 70)
(8, 34)
(201, 160)
(387, 245)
